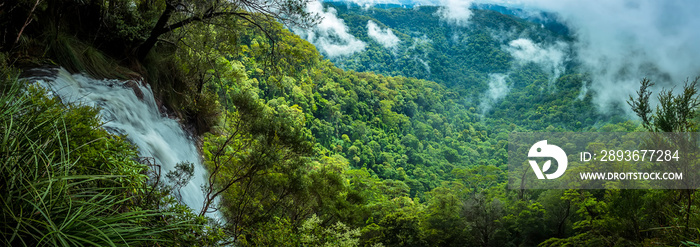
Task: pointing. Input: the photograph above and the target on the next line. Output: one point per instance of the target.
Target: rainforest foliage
(370, 149)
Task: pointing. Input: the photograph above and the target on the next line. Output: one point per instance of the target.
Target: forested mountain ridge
(304, 153)
(431, 48)
(495, 62)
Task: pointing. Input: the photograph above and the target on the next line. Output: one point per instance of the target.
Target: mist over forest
(615, 43)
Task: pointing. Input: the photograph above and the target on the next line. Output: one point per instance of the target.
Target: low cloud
(616, 42)
(621, 42)
(330, 36)
(425, 64)
(369, 3)
(498, 88)
(420, 45)
(550, 59)
(384, 37)
(455, 12)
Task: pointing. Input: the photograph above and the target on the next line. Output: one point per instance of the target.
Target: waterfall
(129, 108)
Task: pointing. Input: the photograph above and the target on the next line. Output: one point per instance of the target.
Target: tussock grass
(44, 200)
(77, 56)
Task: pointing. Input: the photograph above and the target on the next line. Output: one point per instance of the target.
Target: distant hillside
(433, 49)
(494, 61)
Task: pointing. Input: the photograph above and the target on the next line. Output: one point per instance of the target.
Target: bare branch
(26, 22)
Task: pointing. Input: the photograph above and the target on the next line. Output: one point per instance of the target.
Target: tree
(442, 222)
(675, 113)
(483, 214)
(183, 173)
(180, 13)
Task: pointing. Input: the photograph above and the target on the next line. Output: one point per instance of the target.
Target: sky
(617, 42)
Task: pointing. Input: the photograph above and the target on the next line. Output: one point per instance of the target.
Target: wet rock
(135, 86)
(47, 72)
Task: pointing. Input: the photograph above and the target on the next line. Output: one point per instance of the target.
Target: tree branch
(26, 22)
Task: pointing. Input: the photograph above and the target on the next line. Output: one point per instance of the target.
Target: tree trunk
(560, 228)
(158, 30)
(687, 213)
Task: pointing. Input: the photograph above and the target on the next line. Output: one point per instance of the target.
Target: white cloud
(455, 12)
(384, 37)
(498, 88)
(620, 42)
(550, 59)
(330, 36)
(369, 3)
(421, 43)
(617, 42)
(425, 64)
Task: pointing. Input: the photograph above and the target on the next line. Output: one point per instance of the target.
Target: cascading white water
(135, 114)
